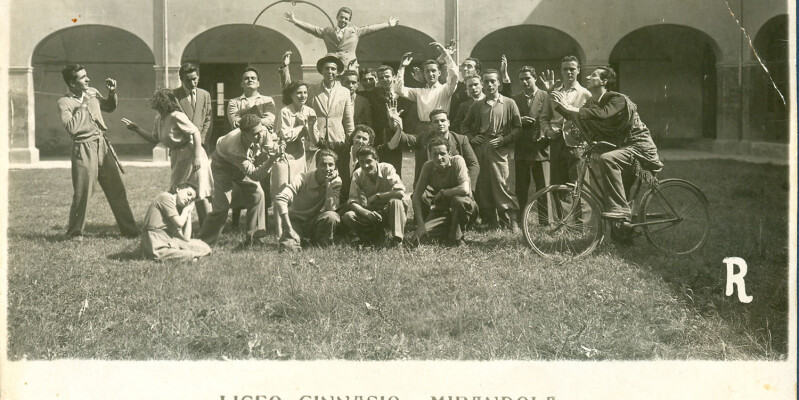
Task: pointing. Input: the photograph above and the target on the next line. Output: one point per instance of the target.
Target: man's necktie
(193, 99)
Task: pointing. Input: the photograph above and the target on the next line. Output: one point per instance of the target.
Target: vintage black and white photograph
(526, 181)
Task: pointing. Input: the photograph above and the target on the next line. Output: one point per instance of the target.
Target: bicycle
(566, 219)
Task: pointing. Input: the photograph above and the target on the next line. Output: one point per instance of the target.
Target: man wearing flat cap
(330, 100)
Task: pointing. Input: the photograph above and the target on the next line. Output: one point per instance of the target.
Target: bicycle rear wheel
(555, 224)
(676, 217)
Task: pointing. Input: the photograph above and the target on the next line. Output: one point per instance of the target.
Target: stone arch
(223, 52)
(768, 115)
(388, 45)
(669, 71)
(105, 51)
(539, 46)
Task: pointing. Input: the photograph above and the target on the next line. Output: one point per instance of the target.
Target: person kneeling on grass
(442, 199)
(375, 200)
(306, 206)
(167, 227)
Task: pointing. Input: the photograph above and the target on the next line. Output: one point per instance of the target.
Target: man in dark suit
(362, 110)
(532, 147)
(194, 102)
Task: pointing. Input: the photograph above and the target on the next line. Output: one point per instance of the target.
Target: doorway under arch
(768, 115)
(669, 71)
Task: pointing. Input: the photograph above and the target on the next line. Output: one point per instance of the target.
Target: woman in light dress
(189, 162)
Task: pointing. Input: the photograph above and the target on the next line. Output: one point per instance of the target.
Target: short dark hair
(184, 185)
(527, 68)
(436, 112)
(477, 64)
(438, 140)
(365, 128)
(367, 151)
(344, 9)
(350, 72)
(188, 68)
(570, 59)
(489, 71)
(428, 62)
(249, 122)
(325, 153)
(164, 101)
(253, 69)
(70, 72)
(290, 89)
(606, 72)
(367, 71)
(385, 68)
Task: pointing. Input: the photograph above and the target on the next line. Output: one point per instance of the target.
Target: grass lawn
(493, 299)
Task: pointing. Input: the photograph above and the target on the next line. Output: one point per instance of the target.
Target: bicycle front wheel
(557, 224)
(675, 217)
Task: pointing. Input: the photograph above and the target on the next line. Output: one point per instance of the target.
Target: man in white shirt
(251, 102)
(434, 95)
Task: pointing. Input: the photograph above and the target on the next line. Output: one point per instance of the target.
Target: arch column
(22, 121)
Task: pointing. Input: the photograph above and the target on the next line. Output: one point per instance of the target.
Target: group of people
(329, 161)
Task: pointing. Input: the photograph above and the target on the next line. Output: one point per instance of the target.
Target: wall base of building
(23, 156)
(777, 151)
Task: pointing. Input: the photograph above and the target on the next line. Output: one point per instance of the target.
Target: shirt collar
(530, 96)
(498, 100)
(74, 96)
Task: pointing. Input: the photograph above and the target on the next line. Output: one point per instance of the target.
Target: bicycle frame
(584, 170)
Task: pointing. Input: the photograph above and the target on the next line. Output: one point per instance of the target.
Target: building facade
(686, 63)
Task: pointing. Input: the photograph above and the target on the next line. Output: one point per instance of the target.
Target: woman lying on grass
(167, 227)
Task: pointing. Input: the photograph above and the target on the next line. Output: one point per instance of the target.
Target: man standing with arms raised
(341, 41)
(434, 95)
(93, 158)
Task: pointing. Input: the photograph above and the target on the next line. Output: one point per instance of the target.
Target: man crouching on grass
(307, 205)
(375, 200)
(442, 199)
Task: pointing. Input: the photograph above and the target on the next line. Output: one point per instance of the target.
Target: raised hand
(406, 59)
(547, 78)
(441, 49)
(393, 21)
(351, 64)
(287, 58)
(289, 16)
(111, 85)
(503, 65)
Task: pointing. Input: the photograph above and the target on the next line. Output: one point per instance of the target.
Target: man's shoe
(615, 215)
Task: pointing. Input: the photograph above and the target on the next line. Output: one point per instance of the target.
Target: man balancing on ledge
(93, 158)
(342, 40)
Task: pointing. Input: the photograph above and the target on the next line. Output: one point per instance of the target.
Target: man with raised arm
(331, 101)
(442, 199)
(341, 41)
(242, 158)
(375, 200)
(492, 124)
(434, 95)
(93, 158)
(306, 207)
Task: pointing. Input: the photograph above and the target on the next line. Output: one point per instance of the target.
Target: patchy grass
(493, 299)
